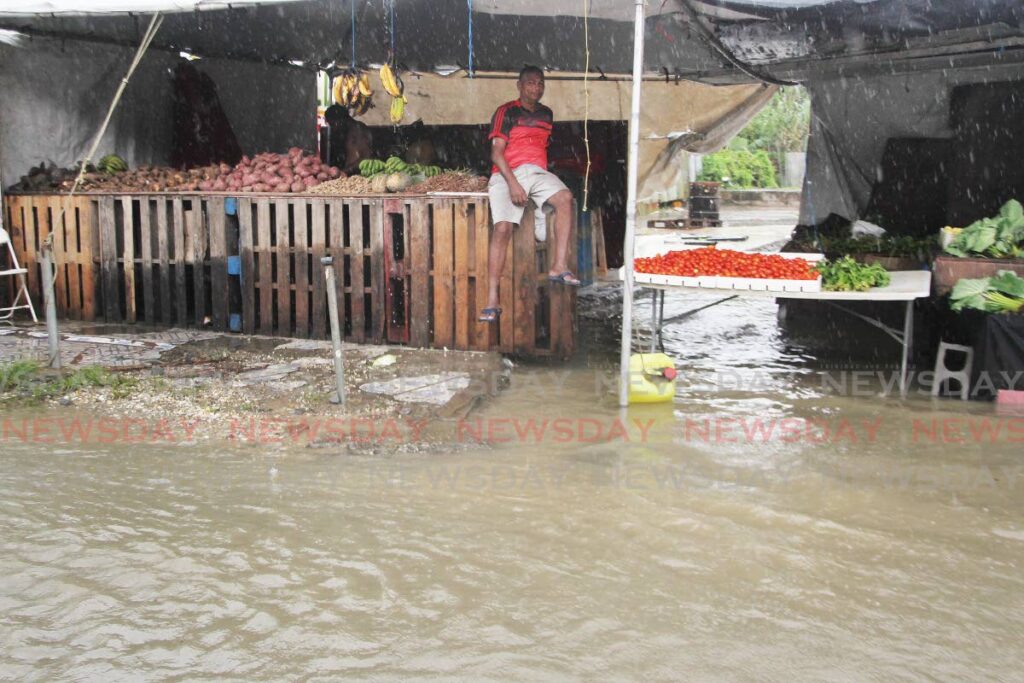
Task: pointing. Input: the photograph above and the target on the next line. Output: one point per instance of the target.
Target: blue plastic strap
(469, 4)
(353, 6)
(392, 3)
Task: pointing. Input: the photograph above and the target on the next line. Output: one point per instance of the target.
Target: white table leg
(908, 339)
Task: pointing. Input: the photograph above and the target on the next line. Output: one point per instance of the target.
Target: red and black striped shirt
(527, 133)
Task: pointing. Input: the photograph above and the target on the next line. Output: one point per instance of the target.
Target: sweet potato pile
(270, 172)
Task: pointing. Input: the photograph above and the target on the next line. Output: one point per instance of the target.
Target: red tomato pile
(726, 263)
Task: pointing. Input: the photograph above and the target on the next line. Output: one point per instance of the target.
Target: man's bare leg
(562, 201)
(496, 259)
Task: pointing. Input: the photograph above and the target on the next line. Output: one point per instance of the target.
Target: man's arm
(516, 191)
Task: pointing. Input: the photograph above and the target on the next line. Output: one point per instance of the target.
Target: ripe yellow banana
(390, 81)
(336, 90)
(353, 90)
(364, 85)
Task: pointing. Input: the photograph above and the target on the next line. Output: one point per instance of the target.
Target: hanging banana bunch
(393, 85)
(352, 89)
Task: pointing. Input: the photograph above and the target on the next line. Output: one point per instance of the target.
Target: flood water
(766, 526)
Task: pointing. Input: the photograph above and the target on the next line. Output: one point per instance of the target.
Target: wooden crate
(163, 260)
(71, 221)
(538, 317)
(282, 241)
(948, 270)
(409, 269)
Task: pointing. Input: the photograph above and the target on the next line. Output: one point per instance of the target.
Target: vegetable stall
(239, 248)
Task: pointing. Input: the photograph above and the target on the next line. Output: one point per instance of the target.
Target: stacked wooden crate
(410, 269)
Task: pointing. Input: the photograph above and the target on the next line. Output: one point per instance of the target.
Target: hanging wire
(586, 101)
(353, 6)
(469, 4)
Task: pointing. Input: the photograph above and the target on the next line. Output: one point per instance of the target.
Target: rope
(394, 58)
(586, 102)
(469, 4)
(154, 24)
(353, 6)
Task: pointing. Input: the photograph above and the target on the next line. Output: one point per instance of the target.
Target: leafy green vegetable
(1001, 236)
(1001, 293)
(1007, 282)
(846, 275)
(886, 245)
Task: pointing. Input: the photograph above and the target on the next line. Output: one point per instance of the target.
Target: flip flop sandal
(566, 278)
(489, 315)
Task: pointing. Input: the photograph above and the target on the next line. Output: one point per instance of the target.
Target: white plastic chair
(13, 269)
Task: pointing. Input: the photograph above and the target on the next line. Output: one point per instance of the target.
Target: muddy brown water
(765, 526)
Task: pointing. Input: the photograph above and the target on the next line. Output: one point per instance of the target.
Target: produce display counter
(905, 287)
(411, 269)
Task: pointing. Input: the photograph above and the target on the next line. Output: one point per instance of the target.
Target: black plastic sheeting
(430, 33)
(773, 32)
(998, 344)
(427, 34)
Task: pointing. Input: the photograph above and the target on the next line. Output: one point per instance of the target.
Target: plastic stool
(943, 373)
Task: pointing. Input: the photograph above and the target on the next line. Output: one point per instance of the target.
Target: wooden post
(87, 219)
(319, 248)
(301, 267)
(525, 281)
(128, 257)
(196, 226)
(460, 231)
(219, 293)
(485, 333)
(356, 252)
(377, 274)
(419, 256)
(336, 249)
(444, 300)
(284, 268)
(248, 284)
(181, 297)
(263, 247)
(163, 241)
(108, 260)
(146, 237)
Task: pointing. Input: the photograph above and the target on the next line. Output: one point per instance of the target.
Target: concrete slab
(433, 389)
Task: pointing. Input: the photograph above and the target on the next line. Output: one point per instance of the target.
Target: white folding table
(905, 286)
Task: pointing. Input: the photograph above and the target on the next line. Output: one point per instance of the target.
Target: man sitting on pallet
(520, 131)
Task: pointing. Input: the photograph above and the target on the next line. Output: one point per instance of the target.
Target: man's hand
(517, 193)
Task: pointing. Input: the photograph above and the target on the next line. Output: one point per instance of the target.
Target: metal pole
(332, 308)
(52, 335)
(631, 183)
(908, 339)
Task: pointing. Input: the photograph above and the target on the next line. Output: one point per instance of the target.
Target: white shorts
(540, 185)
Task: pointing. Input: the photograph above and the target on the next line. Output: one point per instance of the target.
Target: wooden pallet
(599, 252)
(685, 223)
(408, 269)
(282, 241)
(71, 221)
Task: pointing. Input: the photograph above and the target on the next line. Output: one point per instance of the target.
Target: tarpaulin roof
(427, 33)
(710, 40)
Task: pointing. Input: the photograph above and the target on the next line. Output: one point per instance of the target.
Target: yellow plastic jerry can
(652, 378)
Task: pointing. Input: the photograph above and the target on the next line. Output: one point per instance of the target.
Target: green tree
(755, 157)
